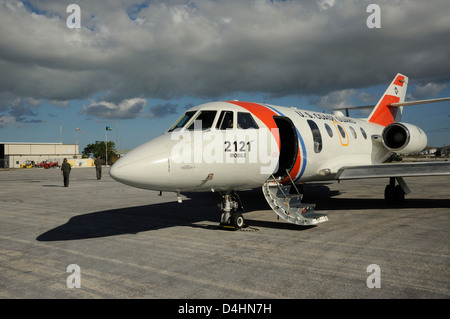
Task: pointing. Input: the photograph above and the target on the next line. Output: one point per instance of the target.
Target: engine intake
(404, 138)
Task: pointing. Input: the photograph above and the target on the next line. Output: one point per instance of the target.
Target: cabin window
(182, 120)
(353, 132)
(317, 138)
(363, 133)
(329, 130)
(246, 121)
(225, 120)
(203, 121)
(341, 130)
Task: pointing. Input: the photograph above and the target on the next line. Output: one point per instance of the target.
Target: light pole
(106, 144)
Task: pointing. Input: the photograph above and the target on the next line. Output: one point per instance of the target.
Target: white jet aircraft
(232, 146)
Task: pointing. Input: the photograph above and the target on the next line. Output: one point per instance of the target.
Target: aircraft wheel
(237, 220)
(389, 194)
(399, 195)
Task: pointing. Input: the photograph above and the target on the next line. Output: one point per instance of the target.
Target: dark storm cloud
(205, 48)
(162, 110)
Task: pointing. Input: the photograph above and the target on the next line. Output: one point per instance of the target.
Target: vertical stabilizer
(385, 114)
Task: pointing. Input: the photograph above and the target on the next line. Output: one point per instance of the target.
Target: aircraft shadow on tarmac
(203, 207)
(327, 199)
(132, 220)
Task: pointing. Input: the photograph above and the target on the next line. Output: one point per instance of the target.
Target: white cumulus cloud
(127, 109)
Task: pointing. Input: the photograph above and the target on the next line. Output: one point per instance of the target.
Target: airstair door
(288, 145)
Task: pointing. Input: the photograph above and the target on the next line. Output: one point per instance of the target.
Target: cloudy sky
(136, 65)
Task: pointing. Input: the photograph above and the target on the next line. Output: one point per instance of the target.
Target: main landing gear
(231, 208)
(395, 194)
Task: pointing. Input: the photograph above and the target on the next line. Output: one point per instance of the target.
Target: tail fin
(383, 113)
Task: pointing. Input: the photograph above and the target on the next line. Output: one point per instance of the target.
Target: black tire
(399, 195)
(237, 220)
(389, 194)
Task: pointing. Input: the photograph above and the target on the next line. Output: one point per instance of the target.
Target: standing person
(65, 172)
(98, 168)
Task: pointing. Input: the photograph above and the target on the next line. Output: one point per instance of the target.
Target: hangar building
(13, 154)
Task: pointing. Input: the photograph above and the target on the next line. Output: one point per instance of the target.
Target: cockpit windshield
(182, 120)
(203, 121)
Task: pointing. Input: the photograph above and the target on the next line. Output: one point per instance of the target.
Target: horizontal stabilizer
(408, 103)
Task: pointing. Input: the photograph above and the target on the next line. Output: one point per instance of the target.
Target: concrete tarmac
(132, 243)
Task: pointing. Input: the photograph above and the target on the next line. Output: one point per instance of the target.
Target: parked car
(46, 164)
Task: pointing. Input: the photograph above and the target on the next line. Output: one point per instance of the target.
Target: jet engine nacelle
(404, 138)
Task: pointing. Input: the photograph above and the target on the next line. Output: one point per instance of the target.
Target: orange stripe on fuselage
(266, 115)
(294, 171)
(263, 113)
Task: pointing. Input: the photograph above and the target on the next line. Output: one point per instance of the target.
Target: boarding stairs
(285, 200)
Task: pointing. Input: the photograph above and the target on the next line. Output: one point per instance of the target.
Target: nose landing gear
(231, 208)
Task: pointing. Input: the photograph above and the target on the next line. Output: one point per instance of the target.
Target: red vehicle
(48, 164)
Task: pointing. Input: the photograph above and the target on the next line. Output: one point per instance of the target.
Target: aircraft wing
(394, 170)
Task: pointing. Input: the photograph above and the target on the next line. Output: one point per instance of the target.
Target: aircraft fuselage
(209, 155)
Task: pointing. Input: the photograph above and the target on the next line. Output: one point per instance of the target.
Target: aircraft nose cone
(140, 168)
(146, 173)
(116, 173)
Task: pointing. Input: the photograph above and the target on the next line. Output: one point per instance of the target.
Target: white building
(13, 154)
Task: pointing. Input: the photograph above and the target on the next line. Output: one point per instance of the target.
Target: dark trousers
(66, 179)
(98, 170)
